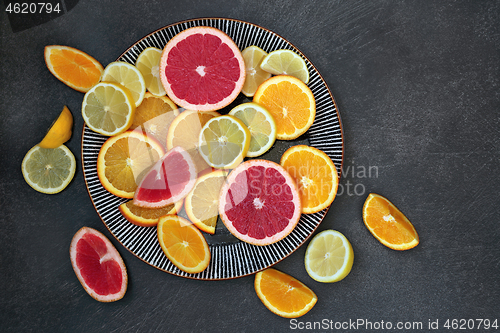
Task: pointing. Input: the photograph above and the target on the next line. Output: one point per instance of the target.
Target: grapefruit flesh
(98, 265)
(259, 203)
(202, 69)
(168, 181)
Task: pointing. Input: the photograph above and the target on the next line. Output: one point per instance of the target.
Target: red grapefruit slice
(259, 203)
(202, 69)
(168, 181)
(98, 265)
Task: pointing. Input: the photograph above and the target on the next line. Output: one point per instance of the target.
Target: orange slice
(73, 67)
(124, 159)
(60, 131)
(183, 244)
(146, 217)
(290, 102)
(315, 175)
(388, 224)
(282, 294)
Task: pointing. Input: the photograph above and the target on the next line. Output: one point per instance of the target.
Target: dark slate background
(417, 86)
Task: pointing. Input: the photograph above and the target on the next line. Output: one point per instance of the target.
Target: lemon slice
(128, 76)
(255, 75)
(261, 125)
(108, 108)
(60, 131)
(148, 63)
(329, 257)
(286, 62)
(224, 142)
(49, 170)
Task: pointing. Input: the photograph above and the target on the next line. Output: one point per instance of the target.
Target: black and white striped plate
(231, 258)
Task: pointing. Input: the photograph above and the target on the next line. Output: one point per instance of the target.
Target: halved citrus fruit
(224, 142)
(202, 69)
(148, 62)
(60, 131)
(128, 76)
(255, 75)
(315, 175)
(291, 103)
(154, 116)
(168, 181)
(108, 108)
(202, 203)
(329, 256)
(48, 170)
(73, 67)
(261, 125)
(124, 159)
(183, 244)
(286, 62)
(387, 224)
(283, 294)
(259, 203)
(147, 217)
(98, 265)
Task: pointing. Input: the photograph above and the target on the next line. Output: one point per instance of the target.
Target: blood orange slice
(168, 181)
(98, 265)
(259, 203)
(202, 69)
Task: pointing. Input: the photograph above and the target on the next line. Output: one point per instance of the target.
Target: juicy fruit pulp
(146, 217)
(255, 75)
(148, 62)
(286, 62)
(128, 76)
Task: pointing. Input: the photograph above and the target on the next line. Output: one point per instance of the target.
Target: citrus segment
(124, 159)
(128, 76)
(183, 244)
(147, 217)
(255, 75)
(261, 125)
(283, 294)
(259, 203)
(202, 69)
(73, 67)
(290, 102)
(48, 170)
(60, 131)
(387, 224)
(285, 62)
(148, 63)
(315, 175)
(329, 257)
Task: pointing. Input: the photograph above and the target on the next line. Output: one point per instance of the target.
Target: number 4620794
(32, 8)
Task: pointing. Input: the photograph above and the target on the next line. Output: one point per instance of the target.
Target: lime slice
(329, 257)
(49, 170)
(224, 142)
(148, 63)
(128, 76)
(255, 75)
(261, 125)
(286, 62)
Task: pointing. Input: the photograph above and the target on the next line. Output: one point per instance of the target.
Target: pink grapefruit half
(168, 181)
(259, 203)
(98, 265)
(202, 69)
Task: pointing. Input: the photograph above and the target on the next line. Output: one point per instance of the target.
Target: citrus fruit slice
(128, 76)
(283, 294)
(315, 175)
(285, 62)
(48, 170)
(73, 67)
(60, 131)
(168, 181)
(154, 116)
(185, 132)
(148, 62)
(387, 224)
(183, 244)
(255, 75)
(291, 103)
(329, 257)
(202, 69)
(147, 217)
(108, 108)
(98, 265)
(202, 203)
(124, 159)
(259, 203)
(261, 125)
(224, 142)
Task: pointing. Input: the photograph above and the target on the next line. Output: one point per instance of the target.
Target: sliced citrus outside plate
(128, 76)
(253, 55)
(286, 62)
(60, 131)
(148, 63)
